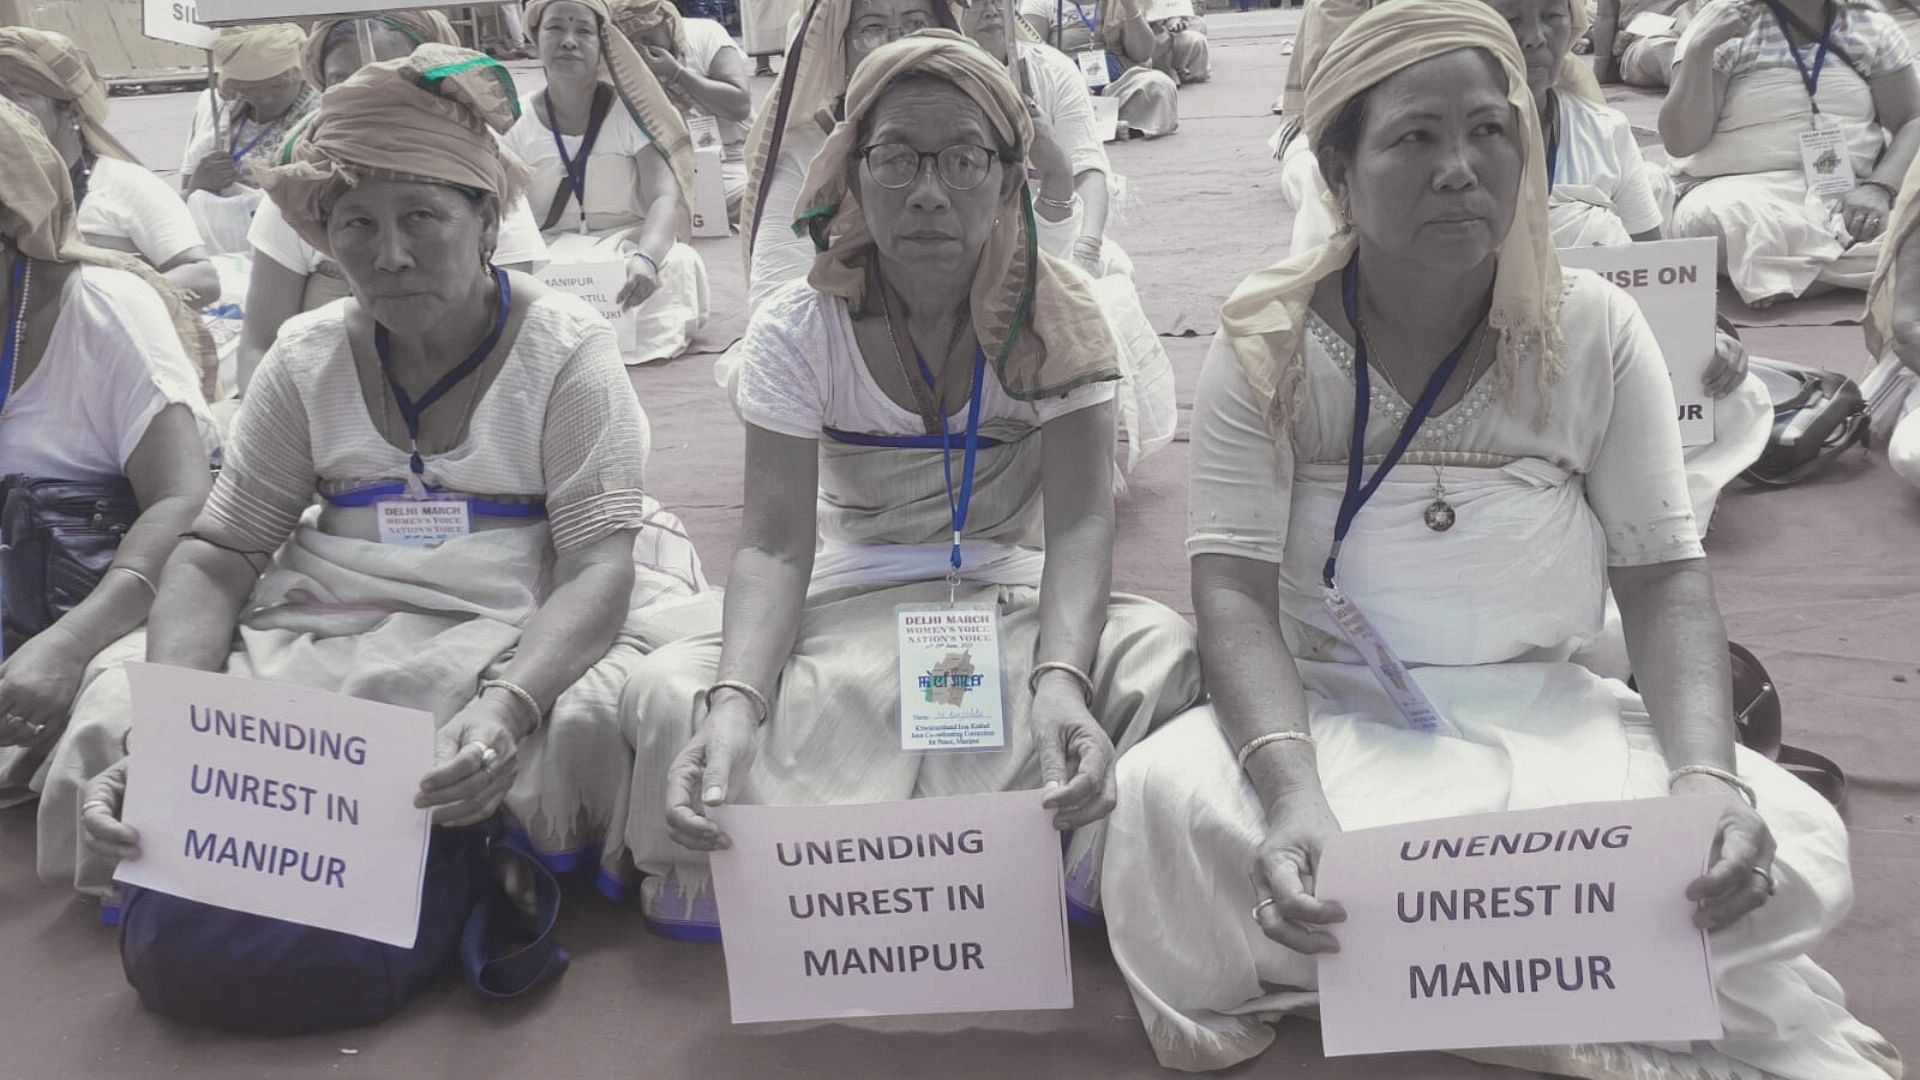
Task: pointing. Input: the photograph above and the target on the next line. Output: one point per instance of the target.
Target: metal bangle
(753, 695)
(1892, 194)
(1745, 789)
(1081, 677)
(1067, 204)
(526, 700)
(1271, 737)
(137, 576)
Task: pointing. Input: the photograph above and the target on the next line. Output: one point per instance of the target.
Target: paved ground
(1821, 580)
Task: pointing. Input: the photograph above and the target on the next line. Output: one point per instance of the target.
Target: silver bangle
(1067, 204)
(1271, 737)
(753, 695)
(526, 699)
(1745, 789)
(1081, 677)
(137, 576)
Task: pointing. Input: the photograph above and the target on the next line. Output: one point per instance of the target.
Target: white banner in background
(177, 21)
(254, 11)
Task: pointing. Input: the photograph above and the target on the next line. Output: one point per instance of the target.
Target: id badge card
(1387, 667)
(1824, 157)
(952, 696)
(1093, 67)
(423, 522)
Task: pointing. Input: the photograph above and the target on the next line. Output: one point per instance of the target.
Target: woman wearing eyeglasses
(793, 122)
(930, 340)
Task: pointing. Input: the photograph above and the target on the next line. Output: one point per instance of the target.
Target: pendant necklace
(1440, 515)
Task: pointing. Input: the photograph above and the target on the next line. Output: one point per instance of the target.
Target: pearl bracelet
(1745, 789)
(1271, 737)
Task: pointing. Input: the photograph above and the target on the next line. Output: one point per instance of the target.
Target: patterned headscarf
(420, 27)
(49, 64)
(38, 216)
(1265, 318)
(258, 53)
(428, 117)
(636, 18)
(812, 81)
(1036, 319)
(646, 100)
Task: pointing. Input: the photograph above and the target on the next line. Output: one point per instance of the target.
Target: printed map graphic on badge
(1827, 163)
(949, 680)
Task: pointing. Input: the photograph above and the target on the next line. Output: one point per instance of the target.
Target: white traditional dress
(1747, 186)
(832, 735)
(1486, 614)
(553, 458)
(1149, 98)
(222, 217)
(606, 227)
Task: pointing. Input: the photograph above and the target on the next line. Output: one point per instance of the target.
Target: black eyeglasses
(962, 166)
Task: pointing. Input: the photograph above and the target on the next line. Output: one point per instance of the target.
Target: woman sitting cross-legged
(442, 378)
(1428, 423)
(104, 443)
(931, 338)
(613, 174)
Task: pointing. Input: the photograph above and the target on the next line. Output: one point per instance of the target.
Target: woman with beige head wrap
(704, 73)
(834, 36)
(1893, 336)
(443, 382)
(612, 174)
(258, 74)
(289, 275)
(931, 338)
(100, 406)
(1424, 440)
(122, 205)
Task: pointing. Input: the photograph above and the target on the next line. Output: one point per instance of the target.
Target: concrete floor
(1821, 581)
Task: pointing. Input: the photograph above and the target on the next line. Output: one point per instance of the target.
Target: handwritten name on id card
(952, 696)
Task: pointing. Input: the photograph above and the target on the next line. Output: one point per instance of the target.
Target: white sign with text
(280, 801)
(1675, 284)
(258, 11)
(947, 905)
(1534, 927)
(582, 266)
(177, 21)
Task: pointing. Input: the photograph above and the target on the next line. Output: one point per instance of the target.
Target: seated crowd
(924, 204)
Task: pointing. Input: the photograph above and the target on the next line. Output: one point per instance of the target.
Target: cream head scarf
(1900, 232)
(636, 18)
(429, 117)
(812, 81)
(1265, 318)
(38, 217)
(51, 65)
(1037, 320)
(1576, 71)
(419, 26)
(259, 53)
(1320, 23)
(646, 100)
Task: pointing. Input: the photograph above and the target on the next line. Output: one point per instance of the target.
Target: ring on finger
(1766, 877)
(1262, 906)
(488, 755)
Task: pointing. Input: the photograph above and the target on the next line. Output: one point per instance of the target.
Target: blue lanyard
(576, 167)
(240, 154)
(17, 310)
(1357, 493)
(958, 507)
(1084, 21)
(410, 410)
(1809, 77)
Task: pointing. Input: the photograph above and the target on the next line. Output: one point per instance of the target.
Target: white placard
(1535, 927)
(579, 265)
(709, 193)
(1675, 283)
(280, 801)
(947, 905)
(1168, 9)
(1106, 118)
(177, 21)
(1649, 24)
(225, 12)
